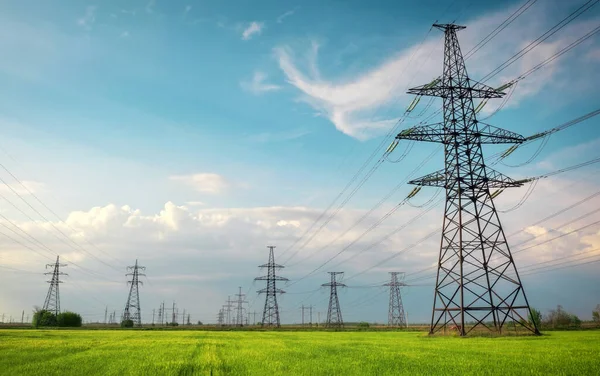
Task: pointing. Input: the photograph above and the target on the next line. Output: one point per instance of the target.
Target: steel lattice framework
(220, 317)
(396, 315)
(133, 311)
(52, 302)
(271, 310)
(334, 312)
(240, 308)
(477, 281)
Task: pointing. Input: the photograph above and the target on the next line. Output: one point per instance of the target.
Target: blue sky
(243, 115)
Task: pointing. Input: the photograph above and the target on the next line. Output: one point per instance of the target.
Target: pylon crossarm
(487, 134)
(268, 278)
(277, 266)
(494, 179)
(445, 89)
(434, 179)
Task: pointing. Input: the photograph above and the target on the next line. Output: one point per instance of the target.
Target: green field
(152, 352)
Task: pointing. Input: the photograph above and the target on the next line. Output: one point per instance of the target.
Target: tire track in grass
(205, 359)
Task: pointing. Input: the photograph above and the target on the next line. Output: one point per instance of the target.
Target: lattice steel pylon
(477, 281)
(334, 312)
(271, 310)
(52, 302)
(133, 311)
(220, 317)
(239, 321)
(396, 315)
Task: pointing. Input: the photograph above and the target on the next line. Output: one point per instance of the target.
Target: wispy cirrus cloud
(87, 20)
(258, 85)
(150, 6)
(355, 105)
(286, 14)
(203, 182)
(266, 137)
(254, 28)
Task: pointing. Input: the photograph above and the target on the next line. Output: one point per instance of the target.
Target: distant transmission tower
(240, 308)
(228, 306)
(396, 310)
(334, 312)
(271, 310)
(477, 280)
(220, 317)
(133, 311)
(52, 302)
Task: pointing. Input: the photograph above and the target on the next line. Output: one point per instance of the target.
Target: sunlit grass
(131, 352)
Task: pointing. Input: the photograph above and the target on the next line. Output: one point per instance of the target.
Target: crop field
(178, 352)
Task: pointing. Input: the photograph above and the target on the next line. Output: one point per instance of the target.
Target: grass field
(130, 352)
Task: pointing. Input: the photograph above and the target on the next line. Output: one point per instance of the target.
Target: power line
(503, 25)
(366, 177)
(368, 213)
(76, 247)
(365, 164)
(553, 30)
(51, 211)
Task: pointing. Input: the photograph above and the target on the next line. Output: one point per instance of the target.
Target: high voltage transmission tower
(220, 317)
(396, 315)
(133, 311)
(52, 302)
(334, 312)
(309, 308)
(227, 308)
(271, 310)
(240, 308)
(477, 280)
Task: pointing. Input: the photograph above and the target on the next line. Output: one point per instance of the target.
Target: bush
(559, 318)
(43, 318)
(127, 323)
(535, 317)
(69, 319)
(574, 321)
(363, 325)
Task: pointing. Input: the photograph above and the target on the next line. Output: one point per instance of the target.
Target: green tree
(596, 314)
(559, 318)
(574, 321)
(127, 323)
(535, 316)
(42, 318)
(69, 319)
